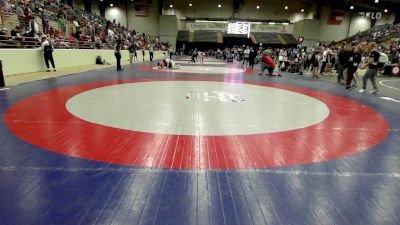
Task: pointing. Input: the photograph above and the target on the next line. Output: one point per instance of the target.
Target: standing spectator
(143, 52)
(252, 57)
(47, 48)
(353, 62)
(373, 68)
(315, 64)
(132, 53)
(170, 53)
(342, 63)
(77, 37)
(246, 56)
(151, 52)
(324, 59)
(117, 52)
(45, 22)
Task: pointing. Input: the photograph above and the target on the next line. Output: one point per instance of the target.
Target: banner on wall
(336, 18)
(223, 26)
(141, 10)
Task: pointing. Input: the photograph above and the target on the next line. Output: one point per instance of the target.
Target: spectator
(252, 57)
(117, 52)
(45, 22)
(354, 60)
(151, 52)
(373, 67)
(61, 22)
(132, 53)
(47, 48)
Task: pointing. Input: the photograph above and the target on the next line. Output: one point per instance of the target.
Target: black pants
(341, 68)
(251, 63)
(151, 56)
(350, 75)
(49, 57)
(323, 67)
(118, 57)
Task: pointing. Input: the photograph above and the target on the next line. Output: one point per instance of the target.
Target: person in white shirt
(246, 54)
(201, 54)
(325, 54)
(47, 48)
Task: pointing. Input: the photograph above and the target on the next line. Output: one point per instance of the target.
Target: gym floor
(208, 143)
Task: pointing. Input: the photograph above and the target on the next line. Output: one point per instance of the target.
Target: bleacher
(183, 35)
(75, 28)
(270, 38)
(289, 38)
(206, 36)
(378, 33)
(234, 35)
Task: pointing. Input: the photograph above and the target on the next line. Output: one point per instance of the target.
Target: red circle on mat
(43, 121)
(248, 71)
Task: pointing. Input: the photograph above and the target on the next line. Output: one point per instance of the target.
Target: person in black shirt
(343, 56)
(252, 57)
(353, 62)
(373, 68)
(117, 52)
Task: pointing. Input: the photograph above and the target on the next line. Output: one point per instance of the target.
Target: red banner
(336, 18)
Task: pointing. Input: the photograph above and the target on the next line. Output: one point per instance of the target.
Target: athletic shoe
(279, 75)
(362, 91)
(347, 87)
(354, 85)
(54, 70)
(48, 70)
(373, 91)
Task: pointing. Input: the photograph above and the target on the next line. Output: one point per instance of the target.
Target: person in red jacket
(268, 63)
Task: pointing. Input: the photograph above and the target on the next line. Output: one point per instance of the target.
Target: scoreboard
(239, 28)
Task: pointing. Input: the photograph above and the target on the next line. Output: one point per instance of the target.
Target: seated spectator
(33, 28)
(3, 34)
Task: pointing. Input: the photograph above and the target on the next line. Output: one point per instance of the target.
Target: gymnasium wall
(168, 30)
(96, 8)
(118, 13)
(128, 18)
(315, 30)
(16, 61)
(79, 4)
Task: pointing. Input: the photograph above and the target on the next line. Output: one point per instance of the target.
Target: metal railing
(59, 34)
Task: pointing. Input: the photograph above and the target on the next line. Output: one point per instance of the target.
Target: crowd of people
(66, 27)
(343, 59)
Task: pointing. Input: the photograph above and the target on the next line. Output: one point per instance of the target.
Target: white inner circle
(197, 108)
(203, 69)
